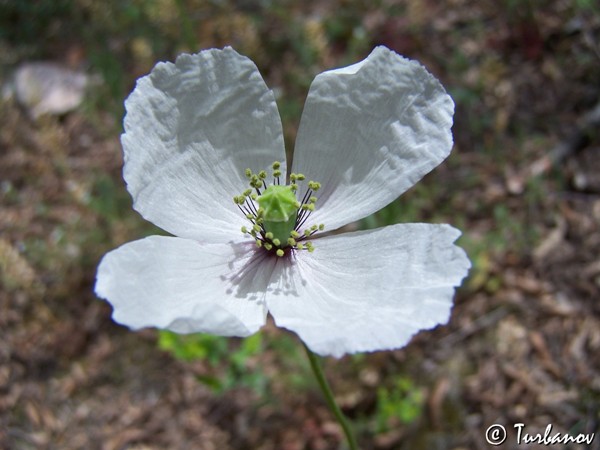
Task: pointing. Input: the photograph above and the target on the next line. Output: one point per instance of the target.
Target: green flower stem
(337, 412)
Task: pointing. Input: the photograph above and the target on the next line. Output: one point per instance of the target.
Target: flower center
(276, 216)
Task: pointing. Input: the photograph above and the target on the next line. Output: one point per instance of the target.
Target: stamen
(276, 216)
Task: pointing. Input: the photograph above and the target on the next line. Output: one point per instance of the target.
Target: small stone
(48, 88)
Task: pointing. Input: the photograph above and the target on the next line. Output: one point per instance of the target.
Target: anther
(275, 214)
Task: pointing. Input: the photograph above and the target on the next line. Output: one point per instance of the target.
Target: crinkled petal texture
(185, 286)
(369, 290)
(191, 130)
(369, 132)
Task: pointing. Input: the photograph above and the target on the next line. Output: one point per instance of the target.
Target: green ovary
(279, 210)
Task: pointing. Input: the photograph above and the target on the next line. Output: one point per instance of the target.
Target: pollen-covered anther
(280, 252)
(291, 242)
(313, 185)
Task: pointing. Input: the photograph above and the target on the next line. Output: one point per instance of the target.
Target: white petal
(191, 130)
(369, 290)
(185, 286)
(369, 132)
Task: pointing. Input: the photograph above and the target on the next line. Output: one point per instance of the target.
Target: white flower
(368, 133)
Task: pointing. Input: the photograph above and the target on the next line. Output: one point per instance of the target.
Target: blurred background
(523, 183)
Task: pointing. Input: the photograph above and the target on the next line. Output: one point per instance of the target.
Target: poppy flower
(205, 161)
